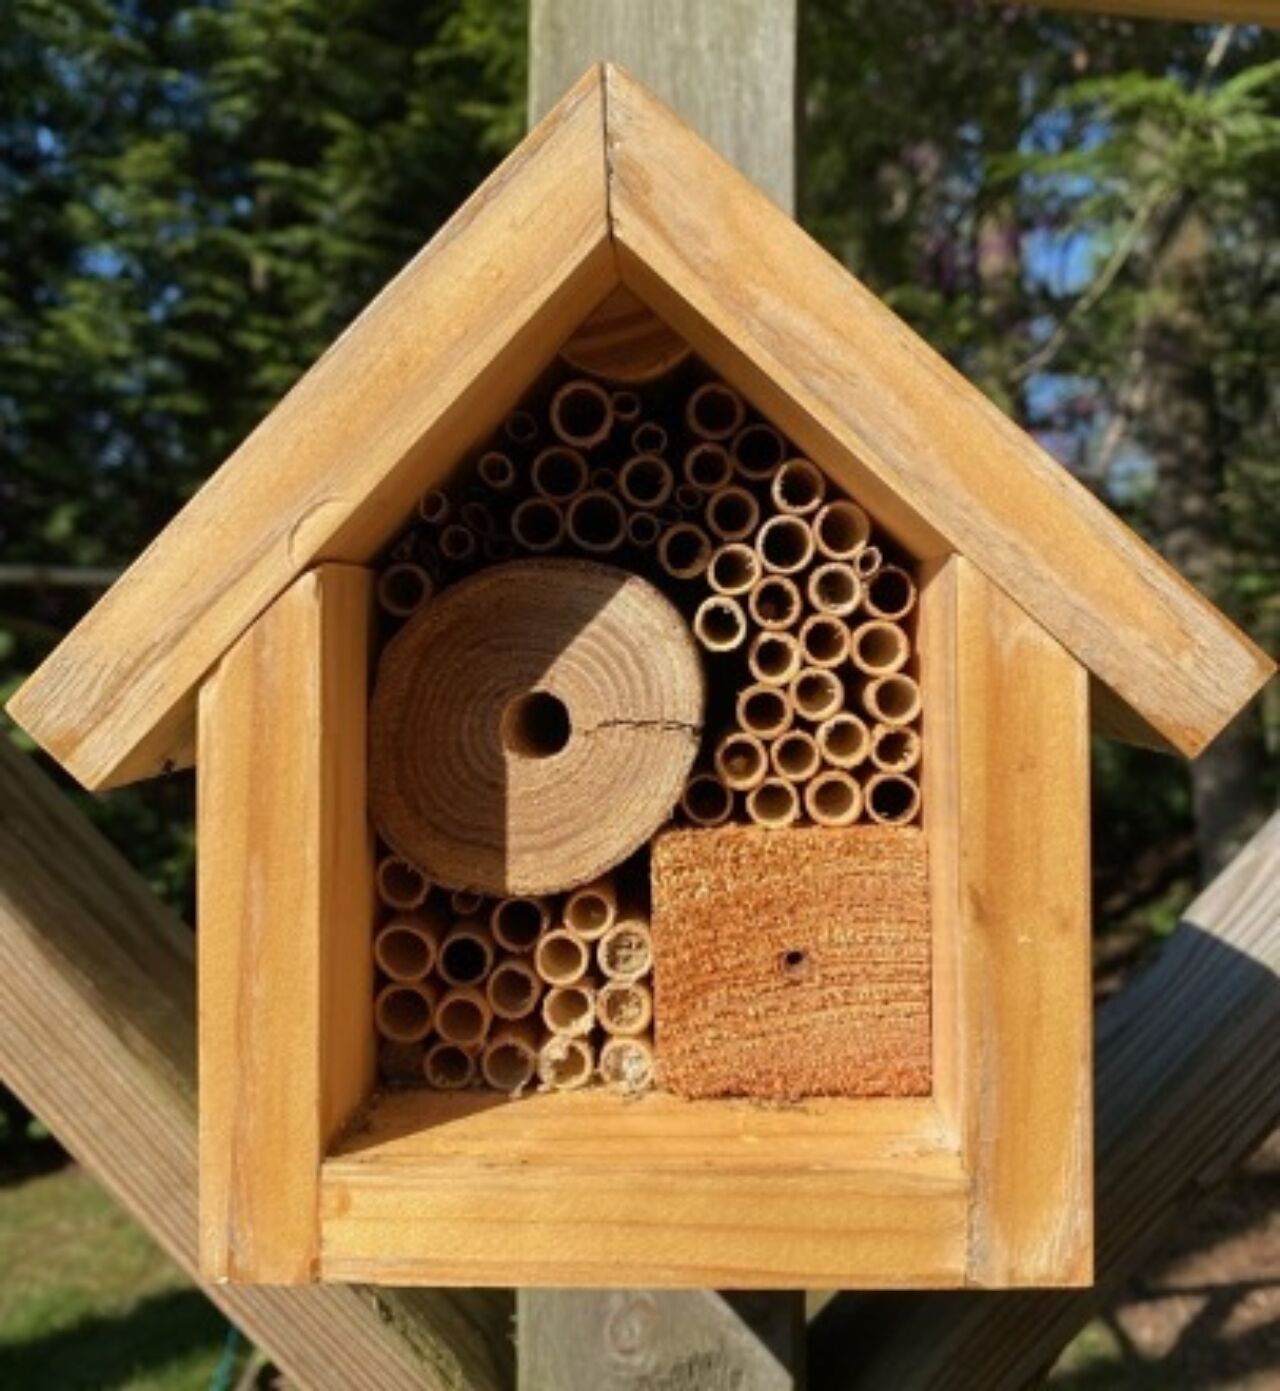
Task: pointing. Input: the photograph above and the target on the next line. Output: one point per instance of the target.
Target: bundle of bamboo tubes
(512, 993)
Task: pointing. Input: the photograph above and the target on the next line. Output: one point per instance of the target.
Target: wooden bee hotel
(641, 700)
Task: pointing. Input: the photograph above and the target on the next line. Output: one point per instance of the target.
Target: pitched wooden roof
(612, 187)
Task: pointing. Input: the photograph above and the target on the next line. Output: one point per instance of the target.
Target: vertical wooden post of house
(729, 69)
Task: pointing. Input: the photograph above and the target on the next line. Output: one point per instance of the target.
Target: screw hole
(795, 964)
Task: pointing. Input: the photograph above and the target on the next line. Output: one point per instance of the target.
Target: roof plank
(424, 372)
(940, 466)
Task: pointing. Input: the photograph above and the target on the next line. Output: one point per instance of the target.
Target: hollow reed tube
(517, 923)
(774, 804)
(434, 507)
(890, 593)
(509, 1062)
(824, 639)
(646, 480)
(626, 406)
(878, 647)
(795, 756)
(742, 761)
(466, 954)
(895, 748)
(708, 466)
(684, 551)
(834, 588)
(868, 560)
(403, 588)
(537, 524)
(775, 603)
(569, 1009)
(496, 471)
(561, 957)
(581, 413)
(720, 624)
(785, 545)
(520, 427)
(593, 909)
(643, 530)
(448, 1066)
(775, 658)
(892, 798)
(559, 473)
(714, 411)
(648, 438)
(833, 798)
(624, 1007)
(816, 694)
(757, 452)
(466, 903)
(841, 529)
(513, 989)
(626, 1064)
(892, 699)
(405, 1012)
(457, 543)
(597, 522)
(400, 884)
(406, 947)
(844, 740)
(798, 487)
(706, 801)
(463, 1016)
(764, 711)
(625, 952)
(734, 570)
(732, 513)
(565, 1064)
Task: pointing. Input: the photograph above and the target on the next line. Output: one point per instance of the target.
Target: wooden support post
(1188, 1083)
(97, 1036)
(730, 70)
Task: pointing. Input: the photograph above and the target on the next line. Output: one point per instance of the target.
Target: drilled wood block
(792, 963)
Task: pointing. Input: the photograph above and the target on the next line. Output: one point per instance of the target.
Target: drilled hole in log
(536, 725)
(795, 964)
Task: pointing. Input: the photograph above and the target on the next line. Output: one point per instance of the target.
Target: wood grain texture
(925, 451)
(587, 1188)
(728, 68)
(1188, 1083)
(286, 922)
(425, 371)
(97, 1036)
(792, 963)
(1010, 775)
(1265, 12)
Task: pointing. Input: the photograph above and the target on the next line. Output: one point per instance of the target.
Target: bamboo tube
(597, 522)
(457, 543)
(715, 411)
(404, 1012)
(434, 507)
(720, 625)
(510, 1058)
(496, 471)
(561, 957)
(466, 954)
(775, 603)
(844, 740)
(558, 473)
(569, 1009)
(624, 1008)
(795, 756)
(892, 699)
(565, 1064)
(757, 451)
(626, 1064)
(773, 804)
(582, 413)
(648, 438)
(688, 500)
(892, 799)
(825, 640)
(841, 529)
(465, 904)
(463, 1016)
(732, 513)
(593, 909)
(742, 761)
(406, 947)
(399, 883)
(834, 588)
(603, 480)
(537, 524)
(449, 1067)
(890, 593)
(513, 990)
(708, 466)
(517, 923)
(868, 560)
(643, 530)
(403, 588)
(895, 748)
(626, 406)
(816, 694)
(706, 801)
(785, 545)
(684, 551)
(400, 1062)
(833, 798)
(520, 427)
(733, 569)
(764, 711)
(798, 487)
(879, 648)
(646, 480)
(625, 952)
(774, 658)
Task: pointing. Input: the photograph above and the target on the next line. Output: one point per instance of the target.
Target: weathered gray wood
(727, 66)
(657, 1340)
(97, 1036)
(1188, 1083)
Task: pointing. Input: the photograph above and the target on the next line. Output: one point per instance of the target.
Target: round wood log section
(533, 726)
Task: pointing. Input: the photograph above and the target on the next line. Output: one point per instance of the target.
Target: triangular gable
(611, 185)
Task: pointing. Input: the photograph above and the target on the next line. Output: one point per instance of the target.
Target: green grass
(88, 1301)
